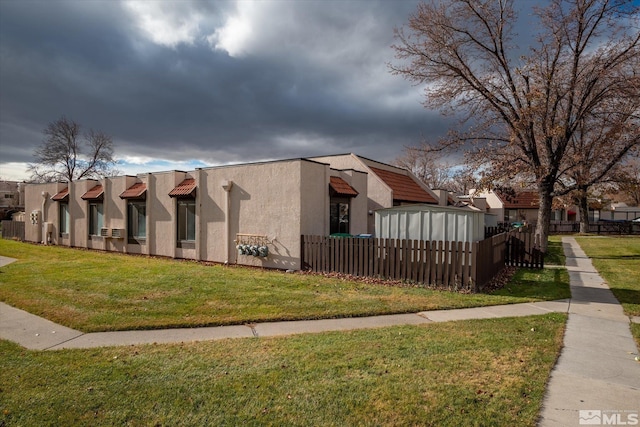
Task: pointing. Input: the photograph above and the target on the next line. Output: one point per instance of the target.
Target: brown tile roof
(97, 192)
(136, 191)
(341, 187)
(61, 196)
(404, 187)
(521, 200)
(185, 188)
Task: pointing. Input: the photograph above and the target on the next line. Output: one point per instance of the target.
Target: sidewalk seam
(252, 326)
(64, 342)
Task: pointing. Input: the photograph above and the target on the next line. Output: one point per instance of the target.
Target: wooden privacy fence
(444, 264)
(451, 265)
(13, 230)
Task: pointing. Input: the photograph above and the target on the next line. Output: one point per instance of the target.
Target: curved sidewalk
(36, 333)
(596, 380)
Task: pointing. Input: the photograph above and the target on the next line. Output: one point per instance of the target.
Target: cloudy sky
(188, 83)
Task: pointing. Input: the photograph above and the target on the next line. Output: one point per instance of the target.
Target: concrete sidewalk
(596, 379)
(36, 333)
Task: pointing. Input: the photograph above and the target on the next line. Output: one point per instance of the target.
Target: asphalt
(596, 377)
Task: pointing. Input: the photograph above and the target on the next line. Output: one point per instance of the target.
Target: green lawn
(480, 372)
(555, 251)
(97, 291)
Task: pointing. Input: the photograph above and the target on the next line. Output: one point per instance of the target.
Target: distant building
(11, 198)
(522, 206)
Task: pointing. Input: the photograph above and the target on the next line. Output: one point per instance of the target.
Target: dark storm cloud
(213, 81)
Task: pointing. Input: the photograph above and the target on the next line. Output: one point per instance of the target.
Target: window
(186, 220)
(339, 215)
(95, 218)
(64, 218)
(511, 215)
(137, 220)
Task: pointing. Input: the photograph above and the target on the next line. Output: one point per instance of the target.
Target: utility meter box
(35, 217)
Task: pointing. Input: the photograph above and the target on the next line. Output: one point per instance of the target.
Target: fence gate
(523, 250)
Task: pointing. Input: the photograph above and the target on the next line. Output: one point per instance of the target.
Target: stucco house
(205, 213)
(218, 213)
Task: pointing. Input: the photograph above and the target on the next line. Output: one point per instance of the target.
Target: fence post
(475, 246)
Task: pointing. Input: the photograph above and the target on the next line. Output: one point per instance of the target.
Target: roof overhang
(61, 196)
(95, 193)
(340, 187)
(136, 191)
(186, 188)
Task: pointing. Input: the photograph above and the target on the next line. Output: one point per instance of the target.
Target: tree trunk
(583, 207)
(544, 217)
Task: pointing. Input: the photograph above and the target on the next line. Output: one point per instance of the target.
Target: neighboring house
(11, 198)
(524, 206)
(203, 214)
(387, 185)
(519, 207)
(618, 212)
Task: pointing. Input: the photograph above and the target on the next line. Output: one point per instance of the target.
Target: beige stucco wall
(268, 203)
(161, 213)
(493, 203)
(314, 198)
(78, 210)
(37, 197)
(360, 215)
(115, 210)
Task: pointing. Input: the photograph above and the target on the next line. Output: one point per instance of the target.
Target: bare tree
(431, 167)
(628, 182)
(594, 160)
(525, 109)
(463, 180)
(67, 155)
